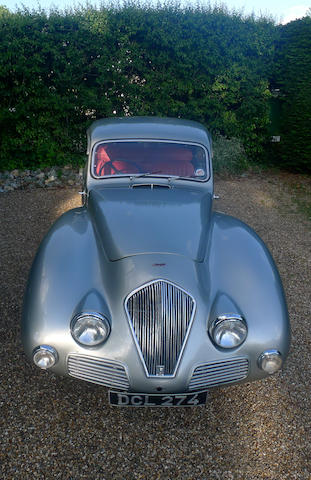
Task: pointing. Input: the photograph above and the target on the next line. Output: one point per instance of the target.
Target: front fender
(243, 272)
(64, 279)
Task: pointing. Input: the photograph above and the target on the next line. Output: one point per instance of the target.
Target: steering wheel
(124, 160)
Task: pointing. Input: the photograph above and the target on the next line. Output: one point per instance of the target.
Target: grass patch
(298, 189)
(301, 194)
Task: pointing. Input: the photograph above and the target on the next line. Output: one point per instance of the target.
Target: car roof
(152, 128)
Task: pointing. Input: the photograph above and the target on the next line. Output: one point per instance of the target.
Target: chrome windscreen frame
(173, 375)
(125, 175)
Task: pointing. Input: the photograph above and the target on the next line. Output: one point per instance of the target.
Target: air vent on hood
(150, 186)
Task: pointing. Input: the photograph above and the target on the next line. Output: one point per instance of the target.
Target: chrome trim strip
(108, 373)
(151, 140)
(168, 307)
(219, 373)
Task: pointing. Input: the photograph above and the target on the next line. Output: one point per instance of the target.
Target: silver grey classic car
(145, 289)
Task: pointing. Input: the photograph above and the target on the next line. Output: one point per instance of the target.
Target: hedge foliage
(60, 71)
(293, 78)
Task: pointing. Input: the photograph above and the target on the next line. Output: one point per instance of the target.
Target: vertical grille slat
(160, 316)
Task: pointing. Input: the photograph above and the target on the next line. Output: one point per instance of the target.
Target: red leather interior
(100, 159)
(169, 160)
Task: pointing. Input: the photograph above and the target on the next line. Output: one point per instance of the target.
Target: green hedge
(293, 78)
(59, 72)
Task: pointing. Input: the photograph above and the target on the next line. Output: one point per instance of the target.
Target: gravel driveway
(62, 428)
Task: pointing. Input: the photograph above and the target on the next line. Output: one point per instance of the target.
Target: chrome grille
(160, 316)
(218, 373)
(97, 370)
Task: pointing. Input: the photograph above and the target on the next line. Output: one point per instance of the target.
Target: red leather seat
(177, 162)
(101, 158)
(183, 169)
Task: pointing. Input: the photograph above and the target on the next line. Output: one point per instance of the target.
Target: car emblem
(160, 370)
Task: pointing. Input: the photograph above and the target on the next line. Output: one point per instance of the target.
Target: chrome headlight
(90, 329)
(45, 356)
(270, 361)
(228, 331)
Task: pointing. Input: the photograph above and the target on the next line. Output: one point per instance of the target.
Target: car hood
(149, 219)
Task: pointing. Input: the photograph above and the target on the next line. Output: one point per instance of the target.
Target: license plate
(124, 399)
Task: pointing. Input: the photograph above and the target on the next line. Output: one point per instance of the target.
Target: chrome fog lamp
(270, 361)
(90, 329)
(228, 331)
(45, 356)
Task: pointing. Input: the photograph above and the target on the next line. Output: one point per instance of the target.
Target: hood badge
(160, 370)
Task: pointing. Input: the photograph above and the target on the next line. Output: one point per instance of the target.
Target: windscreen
(150, 157)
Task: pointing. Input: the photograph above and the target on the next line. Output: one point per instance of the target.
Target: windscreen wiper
(160, 174)
(142, 175)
